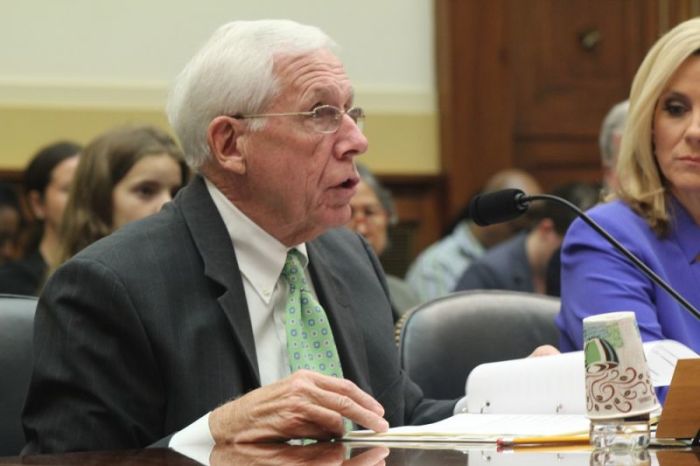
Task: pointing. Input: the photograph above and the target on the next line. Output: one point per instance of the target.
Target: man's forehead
(318, 74)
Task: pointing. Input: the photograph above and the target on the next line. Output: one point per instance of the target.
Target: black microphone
(497, 207)
(508, 204)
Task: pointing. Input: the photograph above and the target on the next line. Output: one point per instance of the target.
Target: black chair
(442, 340)
(16, 331)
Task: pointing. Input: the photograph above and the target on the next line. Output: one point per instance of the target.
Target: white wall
(127, 51)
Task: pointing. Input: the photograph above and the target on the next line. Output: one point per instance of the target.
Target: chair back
(16, 333)
(442, 340)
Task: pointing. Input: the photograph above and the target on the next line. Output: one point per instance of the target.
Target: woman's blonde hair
(641, 183)
(103, 163)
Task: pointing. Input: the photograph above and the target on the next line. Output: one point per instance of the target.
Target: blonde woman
(655, 211)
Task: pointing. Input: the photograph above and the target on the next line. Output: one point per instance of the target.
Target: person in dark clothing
(47, 181)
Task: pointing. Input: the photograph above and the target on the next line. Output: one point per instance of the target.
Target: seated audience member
(656, 211)
(10, 223)
(47, 180)
(372, 212)
(124, 174)
(435, 271)
(520, 263)
(609, 141)
(239, 312)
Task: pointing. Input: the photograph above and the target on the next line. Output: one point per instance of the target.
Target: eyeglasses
(324, 119)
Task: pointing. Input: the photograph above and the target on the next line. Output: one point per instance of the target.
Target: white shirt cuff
(194, 441)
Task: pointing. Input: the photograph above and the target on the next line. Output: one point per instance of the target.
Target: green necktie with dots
(310, 342)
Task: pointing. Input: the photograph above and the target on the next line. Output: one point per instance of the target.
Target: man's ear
(223, 136)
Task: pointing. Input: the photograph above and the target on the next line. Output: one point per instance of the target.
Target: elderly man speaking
(239, 311)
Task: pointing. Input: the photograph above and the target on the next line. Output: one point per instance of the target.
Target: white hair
(613, 125)
(233, 74)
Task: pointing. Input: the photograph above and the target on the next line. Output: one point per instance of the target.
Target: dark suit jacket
(148, 329)
(503, 267)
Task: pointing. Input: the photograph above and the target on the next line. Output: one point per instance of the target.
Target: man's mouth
(349, 183)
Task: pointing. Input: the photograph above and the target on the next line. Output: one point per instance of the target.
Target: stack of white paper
(467, 427)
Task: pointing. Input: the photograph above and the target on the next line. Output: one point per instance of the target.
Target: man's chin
(334, 217)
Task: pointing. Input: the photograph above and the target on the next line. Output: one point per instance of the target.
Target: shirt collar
(686, 230)
(260, 256)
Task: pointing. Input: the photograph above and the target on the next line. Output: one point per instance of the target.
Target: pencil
(511, 441)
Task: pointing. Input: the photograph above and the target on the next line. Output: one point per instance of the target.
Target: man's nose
(352, 140)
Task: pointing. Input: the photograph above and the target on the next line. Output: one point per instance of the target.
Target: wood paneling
(11, 176)
(474, 95)
(421, 213)
(569, 60)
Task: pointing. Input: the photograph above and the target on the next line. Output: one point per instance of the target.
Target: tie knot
(293, 271)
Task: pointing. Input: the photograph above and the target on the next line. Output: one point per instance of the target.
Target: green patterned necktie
(310, 342)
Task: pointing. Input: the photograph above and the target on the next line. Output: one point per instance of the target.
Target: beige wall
(72, 68)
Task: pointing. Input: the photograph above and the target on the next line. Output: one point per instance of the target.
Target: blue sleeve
(596, 278)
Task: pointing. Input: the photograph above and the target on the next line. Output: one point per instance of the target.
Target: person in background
(124, 174)
(520, 263)
(47, 181)
(10, 223)
(656, 210)
(435, 271)
(609, 141)
(373, 212)
(240, 312)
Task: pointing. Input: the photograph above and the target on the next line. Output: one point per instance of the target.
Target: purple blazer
(595, 278)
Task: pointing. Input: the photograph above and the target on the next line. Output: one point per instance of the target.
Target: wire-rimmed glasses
(323, 119)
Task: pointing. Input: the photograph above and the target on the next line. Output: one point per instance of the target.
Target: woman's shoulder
(619, 220)
(612, 209)
(617, 215)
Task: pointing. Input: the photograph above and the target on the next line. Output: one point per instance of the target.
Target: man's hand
(304, 405)
(544, 350)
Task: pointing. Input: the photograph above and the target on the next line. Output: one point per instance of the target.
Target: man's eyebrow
(326, 94)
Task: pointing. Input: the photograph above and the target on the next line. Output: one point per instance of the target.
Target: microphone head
(497, 207)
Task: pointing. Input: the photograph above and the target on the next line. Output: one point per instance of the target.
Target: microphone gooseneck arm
(523, 199)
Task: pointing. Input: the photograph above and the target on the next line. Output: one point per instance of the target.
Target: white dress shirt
(260, 260)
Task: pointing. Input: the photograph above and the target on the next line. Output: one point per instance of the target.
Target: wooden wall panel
(474, 94)
(419, 205)
(569, 60)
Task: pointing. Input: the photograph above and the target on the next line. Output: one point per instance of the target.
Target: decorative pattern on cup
(610, 387)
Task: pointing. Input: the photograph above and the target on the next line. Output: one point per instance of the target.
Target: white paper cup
(618, 384)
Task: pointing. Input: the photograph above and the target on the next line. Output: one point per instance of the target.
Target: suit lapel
(220, 264)
(336, 301)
